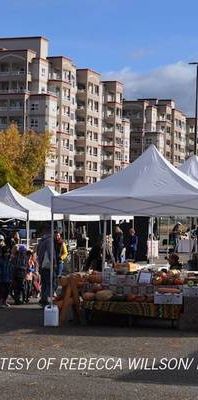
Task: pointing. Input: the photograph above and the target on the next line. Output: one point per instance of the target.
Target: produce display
(157, 294)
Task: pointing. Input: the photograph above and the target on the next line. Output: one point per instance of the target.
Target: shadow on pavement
(29, 319)
(178, 376)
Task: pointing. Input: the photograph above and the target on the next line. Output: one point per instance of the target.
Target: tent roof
(149, 186)
(190, 167)
(37, 212)
(11, 213)
(43, 196)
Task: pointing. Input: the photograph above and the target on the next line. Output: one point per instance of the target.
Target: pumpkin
(88, 296)
(104, 295)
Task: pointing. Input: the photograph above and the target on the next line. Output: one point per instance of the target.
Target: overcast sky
(145, 43)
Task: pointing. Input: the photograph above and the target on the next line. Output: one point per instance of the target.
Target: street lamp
(196, 99)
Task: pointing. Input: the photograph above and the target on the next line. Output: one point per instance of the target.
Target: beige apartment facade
(190, 136)
(88, 127)
(158, 122)
(111, 157)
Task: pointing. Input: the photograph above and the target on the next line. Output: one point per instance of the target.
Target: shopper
(176, 234)
(118, 244)
(15, 242)
(44, 261)
(30, 269)
(5, 273)
(61, 253)
(131, 245)
(19, 262)
(94, 260)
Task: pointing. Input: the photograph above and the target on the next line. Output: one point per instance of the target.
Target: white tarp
(190, 167)
(34, 212)
(44, 196)
(150, 186)
(7, 212)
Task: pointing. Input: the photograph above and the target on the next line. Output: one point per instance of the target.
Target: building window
(43, 72)
(34, 123)
(70, 163)
(95, 151)
(34, 107)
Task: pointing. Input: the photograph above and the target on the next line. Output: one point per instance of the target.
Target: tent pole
(28, 231)
(52, 259)
(151, 240)
(111, 227)
(167, 249)
(68, 233)
(104, 244)
(63, 227)
(190, 254)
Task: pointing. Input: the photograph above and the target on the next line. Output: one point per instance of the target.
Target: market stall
(150, 186)
(139, 294)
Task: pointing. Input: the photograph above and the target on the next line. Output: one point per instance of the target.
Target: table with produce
(129, 290)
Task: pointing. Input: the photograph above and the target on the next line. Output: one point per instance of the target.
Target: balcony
(107, 172)
(7, 91)
(13, 73)
(107, 143)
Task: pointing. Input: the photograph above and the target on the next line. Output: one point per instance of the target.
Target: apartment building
(24, 96)
(125, 141)
(111, 157)
(62, 84)
(190, 136)
(88, 126)
(83, 115)
(158, 122)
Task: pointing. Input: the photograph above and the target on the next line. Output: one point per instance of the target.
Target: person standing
(118, 244)
(131, 245)
(176, 234)
(19, 262)
(61, 253)
(5, 273)
(44, 261)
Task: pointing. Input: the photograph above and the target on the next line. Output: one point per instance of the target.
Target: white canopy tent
(150, 186)
(190, 167)
(43, 196)
(32, 210)
(7, 212)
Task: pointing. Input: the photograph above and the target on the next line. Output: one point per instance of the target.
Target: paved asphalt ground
(22, 335)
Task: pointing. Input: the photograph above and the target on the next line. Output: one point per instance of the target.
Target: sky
(146, 44)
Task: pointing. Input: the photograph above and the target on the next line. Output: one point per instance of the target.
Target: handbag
(46, 261)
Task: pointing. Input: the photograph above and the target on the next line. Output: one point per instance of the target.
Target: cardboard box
(168, 298)
(126, 267)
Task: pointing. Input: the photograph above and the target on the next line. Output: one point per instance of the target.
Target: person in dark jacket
(118, 243)
(19, 263)
(131, 245)
(5, 273)
(44, 261)
(94, 260)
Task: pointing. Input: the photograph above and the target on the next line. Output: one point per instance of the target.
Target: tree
(22, 157)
